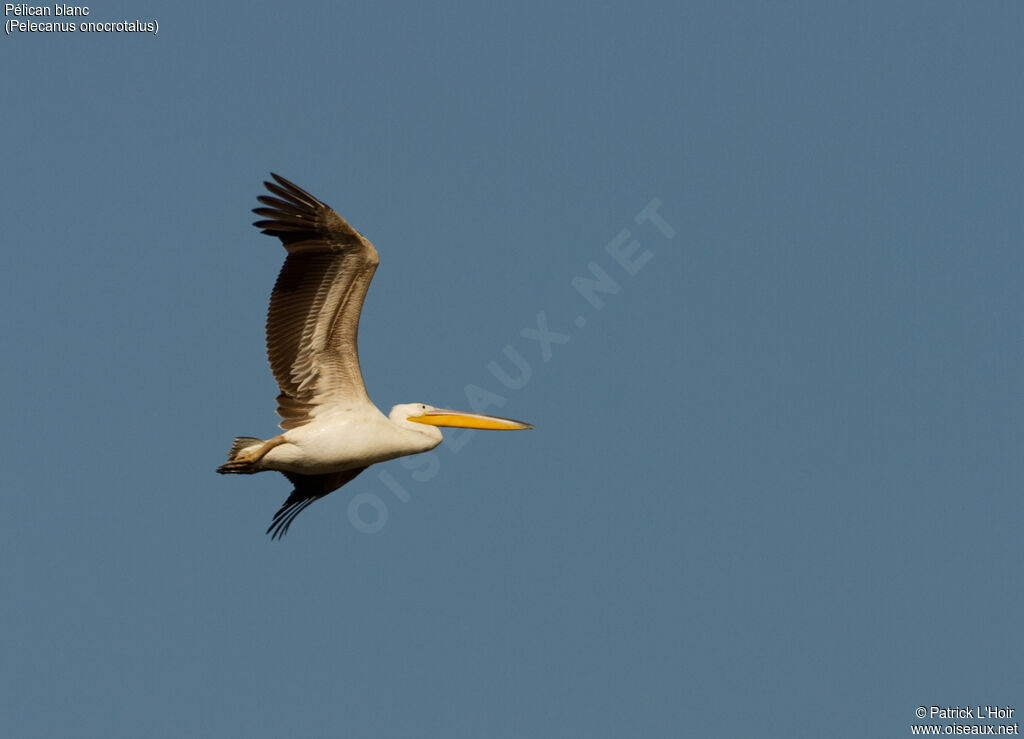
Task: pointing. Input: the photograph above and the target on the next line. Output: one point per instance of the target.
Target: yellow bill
(461, 419)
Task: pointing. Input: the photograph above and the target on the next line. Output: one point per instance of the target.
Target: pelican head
(431, 416)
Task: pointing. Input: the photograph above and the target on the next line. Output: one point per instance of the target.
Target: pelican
(332, 431)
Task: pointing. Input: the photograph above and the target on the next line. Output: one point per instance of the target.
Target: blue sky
(774, 485)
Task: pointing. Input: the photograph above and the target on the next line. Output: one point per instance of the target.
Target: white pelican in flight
(332, 430)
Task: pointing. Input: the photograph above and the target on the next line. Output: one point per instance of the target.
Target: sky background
(775, 483)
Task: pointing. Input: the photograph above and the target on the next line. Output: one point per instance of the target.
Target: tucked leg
(246, 464)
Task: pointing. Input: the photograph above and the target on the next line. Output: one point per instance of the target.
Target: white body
(351, 439)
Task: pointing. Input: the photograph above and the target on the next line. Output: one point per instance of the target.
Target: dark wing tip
(287, 513)
(298, 218)
(289, 186)
(308, 490)
(294, 215)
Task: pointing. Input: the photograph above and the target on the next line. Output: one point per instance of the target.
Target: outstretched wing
(308, 490)
(313, 322)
